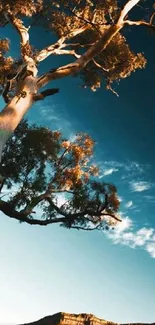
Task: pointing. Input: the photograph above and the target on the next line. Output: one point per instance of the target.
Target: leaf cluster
(36, 160)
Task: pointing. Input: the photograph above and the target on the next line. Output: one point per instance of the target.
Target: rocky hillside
(74, 319)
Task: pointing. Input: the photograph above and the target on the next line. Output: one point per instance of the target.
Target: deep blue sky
(46, 270)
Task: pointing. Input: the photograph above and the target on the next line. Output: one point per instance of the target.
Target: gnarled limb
(25, 215)
(24, 36)
(139, 23)
(22, 217)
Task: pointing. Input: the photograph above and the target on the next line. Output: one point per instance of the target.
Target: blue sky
(46, 270)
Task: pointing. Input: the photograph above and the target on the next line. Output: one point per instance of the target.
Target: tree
(89, 31)
(38, 165)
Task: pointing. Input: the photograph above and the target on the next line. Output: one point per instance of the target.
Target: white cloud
(61, 199)
(129, 169)
(108, 172)
(124, 225)
(125, 234)
(140, 186)
(150, 248)
(129, 204)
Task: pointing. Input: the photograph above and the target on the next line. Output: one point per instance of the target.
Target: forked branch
(92, 52)
(54, 48)
(128, 6)
(24, 36)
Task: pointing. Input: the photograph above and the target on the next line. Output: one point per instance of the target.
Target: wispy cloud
(132, 166)
(128, 169)
(129, 204)
(55, 116)
(108, 172)
(125, 234)
(140, 186)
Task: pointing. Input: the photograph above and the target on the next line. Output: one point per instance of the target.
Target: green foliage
(36, 161)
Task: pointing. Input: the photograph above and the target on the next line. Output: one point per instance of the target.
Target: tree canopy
(78, 26)
(38, 165)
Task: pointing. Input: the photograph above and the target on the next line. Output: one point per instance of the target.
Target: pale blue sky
(47, 270)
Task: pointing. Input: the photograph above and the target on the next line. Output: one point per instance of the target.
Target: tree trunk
(14, 111)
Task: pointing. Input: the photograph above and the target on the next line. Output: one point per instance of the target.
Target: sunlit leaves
(63, 18)
(22, 7)
(117, 61)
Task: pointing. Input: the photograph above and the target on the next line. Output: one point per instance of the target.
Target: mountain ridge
(76, 319)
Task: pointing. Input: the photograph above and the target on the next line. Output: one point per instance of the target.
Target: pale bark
(14, 111)
(52, 49)
(79, 64)
(126, 9)
(23, 33)
(139, 23)
(92, 52)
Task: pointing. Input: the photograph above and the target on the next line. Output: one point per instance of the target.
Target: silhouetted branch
(20, 216)
(86, 229)
(45, 93)
(86, 20)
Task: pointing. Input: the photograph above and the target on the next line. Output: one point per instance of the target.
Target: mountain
(75, 319)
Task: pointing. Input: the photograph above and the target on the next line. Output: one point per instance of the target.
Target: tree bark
(14, 111)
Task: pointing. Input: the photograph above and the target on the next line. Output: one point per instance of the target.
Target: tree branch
(83, 228)
(91, 53)
(106, 214)
(45, 93)
(8, 210)
(24, 35)
(66, 52)
(86, 20)
(100, 66)
(23, 215)
(83, 213)
(108, 87)
(129, 5)
(152, 17)
(77, 44)
(43, 54)
(139, 23)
